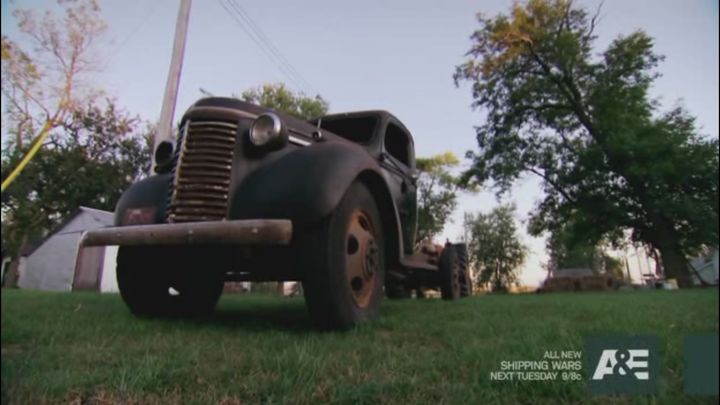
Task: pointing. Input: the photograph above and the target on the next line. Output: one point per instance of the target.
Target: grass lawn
(88, 348)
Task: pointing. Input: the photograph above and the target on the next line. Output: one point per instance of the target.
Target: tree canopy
(90, 160)
(86, 151)
(494, 247)
(566, 253)
(608, 159)
(280, 98)
(45, 73)
(437, 193)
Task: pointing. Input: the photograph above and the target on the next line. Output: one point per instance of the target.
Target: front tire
(344, 262)
(160, 281)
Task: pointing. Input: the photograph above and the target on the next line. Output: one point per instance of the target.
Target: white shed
(59, 264)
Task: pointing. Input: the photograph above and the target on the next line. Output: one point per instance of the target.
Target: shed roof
(103, 219)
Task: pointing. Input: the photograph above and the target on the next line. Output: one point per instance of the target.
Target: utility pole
(164, 130)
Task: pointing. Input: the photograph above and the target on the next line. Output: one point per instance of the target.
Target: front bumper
(244, 232)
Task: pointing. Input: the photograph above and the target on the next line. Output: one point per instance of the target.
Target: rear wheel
(159, 281)
(452, 275)
(465, 279)
(344, 262)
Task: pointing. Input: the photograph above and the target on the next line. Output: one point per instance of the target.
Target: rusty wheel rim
(362, 257)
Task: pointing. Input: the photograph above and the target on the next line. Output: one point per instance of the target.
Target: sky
(393, 55)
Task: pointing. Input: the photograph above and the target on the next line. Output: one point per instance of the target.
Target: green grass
(88, 348)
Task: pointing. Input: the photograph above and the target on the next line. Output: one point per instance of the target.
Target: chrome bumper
(245, 232)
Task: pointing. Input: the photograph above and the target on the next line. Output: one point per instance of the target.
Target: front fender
(307, 184)
(304, 185)
(146, 198)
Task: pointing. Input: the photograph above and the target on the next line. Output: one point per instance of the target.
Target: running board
(411, 264)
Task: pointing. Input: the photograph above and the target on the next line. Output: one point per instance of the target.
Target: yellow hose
(31, 153)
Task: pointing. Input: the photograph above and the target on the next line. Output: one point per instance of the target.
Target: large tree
(279, 97)
(437, 191)
(45, 73)
(608, 159)
(494, 247)
(566, 252)
(90, 160)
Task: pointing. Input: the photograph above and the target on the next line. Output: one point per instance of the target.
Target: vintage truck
(246, 193)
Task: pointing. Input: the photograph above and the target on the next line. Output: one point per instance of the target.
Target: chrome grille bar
(202, 173)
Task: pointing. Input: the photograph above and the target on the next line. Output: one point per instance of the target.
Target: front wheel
(160, 281)
(344, 262)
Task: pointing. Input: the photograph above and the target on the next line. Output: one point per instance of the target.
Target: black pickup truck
(246, 193)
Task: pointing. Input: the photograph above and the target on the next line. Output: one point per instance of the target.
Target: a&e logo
(621, 364)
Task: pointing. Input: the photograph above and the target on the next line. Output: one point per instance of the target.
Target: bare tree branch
(593, 23)
(553, 184)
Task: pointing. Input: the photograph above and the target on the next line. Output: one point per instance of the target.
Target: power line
(256, 37)
(259, 44)
(265, 45)
(132, 33)
(269, 43)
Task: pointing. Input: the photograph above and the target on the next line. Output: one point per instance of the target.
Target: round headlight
(164, 154)
(268, 131)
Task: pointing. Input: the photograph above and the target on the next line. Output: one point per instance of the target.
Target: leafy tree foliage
(566, 253)
(437, 193)
(494, 246)
(280, 98)
(90, 160)
(45, 70)
(608, 159)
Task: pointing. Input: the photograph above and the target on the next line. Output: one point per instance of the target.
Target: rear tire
(344, 262)
(451, 274)
(159, 281)
(466, 280)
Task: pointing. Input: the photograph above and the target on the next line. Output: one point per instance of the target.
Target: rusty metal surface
(246, 232)
(202, 172)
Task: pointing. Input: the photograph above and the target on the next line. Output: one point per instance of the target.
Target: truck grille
(202, 172)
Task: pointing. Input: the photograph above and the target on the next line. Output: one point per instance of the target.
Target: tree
(280, 98)
(494, 247)
(609, 162)
(566, 252)
(437, 193)
(90, 160)
(44, 73)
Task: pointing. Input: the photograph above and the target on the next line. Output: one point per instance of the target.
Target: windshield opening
(355, 129)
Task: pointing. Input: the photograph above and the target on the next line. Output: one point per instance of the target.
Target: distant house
(577, 272)
(58, 263)
(577, 279)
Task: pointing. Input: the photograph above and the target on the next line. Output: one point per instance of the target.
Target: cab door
(398, 163)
